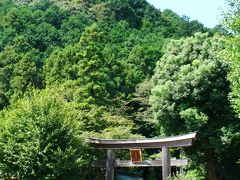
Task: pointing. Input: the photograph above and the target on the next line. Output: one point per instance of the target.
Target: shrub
(40, 138)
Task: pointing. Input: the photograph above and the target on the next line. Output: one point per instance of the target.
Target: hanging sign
(136, 155)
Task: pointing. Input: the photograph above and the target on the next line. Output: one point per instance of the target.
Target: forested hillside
(70, 70)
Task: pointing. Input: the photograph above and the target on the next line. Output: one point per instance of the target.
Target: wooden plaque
(136, 155)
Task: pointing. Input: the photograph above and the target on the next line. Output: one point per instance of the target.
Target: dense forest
(70, 70)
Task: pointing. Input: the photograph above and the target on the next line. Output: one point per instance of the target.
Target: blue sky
(207, 12)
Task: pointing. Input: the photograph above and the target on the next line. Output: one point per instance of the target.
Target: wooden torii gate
(164, 143)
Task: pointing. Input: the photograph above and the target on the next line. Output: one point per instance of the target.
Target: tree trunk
(211, 169)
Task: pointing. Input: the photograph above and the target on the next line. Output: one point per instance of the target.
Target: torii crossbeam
(164, 143)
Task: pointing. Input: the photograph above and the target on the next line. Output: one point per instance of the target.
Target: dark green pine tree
(93, 79)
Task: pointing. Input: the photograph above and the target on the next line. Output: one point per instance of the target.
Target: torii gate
(164, 143)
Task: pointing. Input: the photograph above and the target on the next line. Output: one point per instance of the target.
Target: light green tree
(39, 137)
(44, 135)
(231, 22)
(190, 93)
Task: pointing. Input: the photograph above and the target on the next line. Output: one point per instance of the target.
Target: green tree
(139, 110)
(62, 65)
(181, 26)
(93, 79)
(85, 64)
(44, 135)
(3, 100)
(40, 139)
(19, 68)
(231, 22)
(191, 94)
(43, 36)
(131, 11)
(72, 28)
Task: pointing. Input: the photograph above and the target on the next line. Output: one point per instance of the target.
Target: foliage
(3, 100)
(40, 138)
(181, 26)
(44, 136)
(91, 62)
(190, 93)
(47, 26)
(18, 68)
(139, 109)
(189, 175)
(231, 136)
(232, 23)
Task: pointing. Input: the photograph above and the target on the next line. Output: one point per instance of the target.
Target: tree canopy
(70, 70)
(190, 93)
